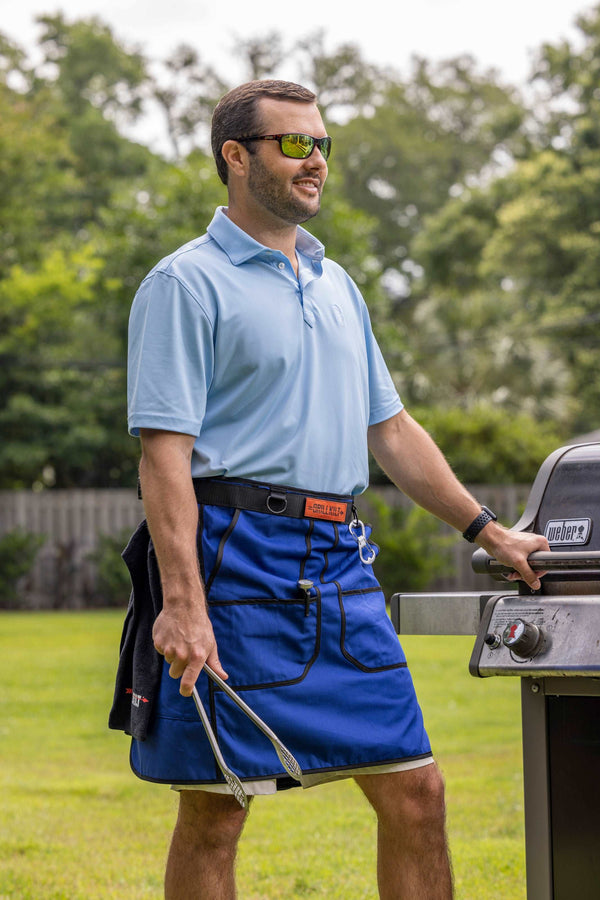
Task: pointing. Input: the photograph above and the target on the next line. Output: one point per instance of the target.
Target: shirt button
(281, 265)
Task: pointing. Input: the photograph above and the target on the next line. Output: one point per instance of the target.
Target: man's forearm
(410, 457)
(415, 464)
(182, 631)
(171, 511)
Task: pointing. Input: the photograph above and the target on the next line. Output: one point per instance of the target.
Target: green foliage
(350, 237)
(92, 68)
(417, 140)
(569, 72)
(510, 297)
(547, 244)
(150, 217)
(449, 247)
(62, 350)
(529, 241)
(469, 222)
(18, 549)
(345, 83)
(113, 584)
(412, 549)
(484, 446)
(29, 313)
(61, 375)
(187, 94)
(39, 187)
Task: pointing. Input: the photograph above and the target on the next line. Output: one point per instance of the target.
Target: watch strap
(485, 516)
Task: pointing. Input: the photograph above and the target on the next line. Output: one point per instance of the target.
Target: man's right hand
(183, 634)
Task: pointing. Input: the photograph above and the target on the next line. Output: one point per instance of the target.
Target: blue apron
(323, 668)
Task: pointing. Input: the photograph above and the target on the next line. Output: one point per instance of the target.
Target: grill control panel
(538, 636)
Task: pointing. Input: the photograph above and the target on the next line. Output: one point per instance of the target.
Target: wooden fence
(64, 575)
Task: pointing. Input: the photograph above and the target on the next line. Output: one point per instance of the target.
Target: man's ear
(236, 157)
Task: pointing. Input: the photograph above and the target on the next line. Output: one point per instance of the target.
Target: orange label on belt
(317, 508)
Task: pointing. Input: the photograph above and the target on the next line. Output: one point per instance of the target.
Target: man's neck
(276, 235)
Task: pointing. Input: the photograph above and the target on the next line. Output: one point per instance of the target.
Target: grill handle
(541, 561)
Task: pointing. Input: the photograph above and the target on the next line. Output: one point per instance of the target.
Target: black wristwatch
(485, 516)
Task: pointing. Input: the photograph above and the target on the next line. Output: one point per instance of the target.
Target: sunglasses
(296, 146)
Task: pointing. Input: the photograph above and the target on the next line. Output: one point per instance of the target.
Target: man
(255, 383)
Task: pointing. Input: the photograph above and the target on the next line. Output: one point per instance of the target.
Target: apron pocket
(266, 643)
(368, 639)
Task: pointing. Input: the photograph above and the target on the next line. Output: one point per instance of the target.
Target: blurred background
(464, 199)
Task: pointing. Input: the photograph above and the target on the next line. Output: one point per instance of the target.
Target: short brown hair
(236, 114)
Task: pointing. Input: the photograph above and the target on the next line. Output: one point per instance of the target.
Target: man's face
(288, 189)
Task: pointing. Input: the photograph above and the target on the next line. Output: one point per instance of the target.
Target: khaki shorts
(269, 786)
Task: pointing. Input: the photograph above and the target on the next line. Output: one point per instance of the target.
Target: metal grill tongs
(288, 761)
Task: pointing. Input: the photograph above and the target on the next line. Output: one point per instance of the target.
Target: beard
(277, 197)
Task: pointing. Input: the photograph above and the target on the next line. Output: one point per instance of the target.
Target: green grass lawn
(75, 824)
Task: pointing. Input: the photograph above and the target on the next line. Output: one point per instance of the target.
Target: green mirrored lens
(298, 146)
(325, 147)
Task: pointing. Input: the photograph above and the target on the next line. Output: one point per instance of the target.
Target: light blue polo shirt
(276, 376)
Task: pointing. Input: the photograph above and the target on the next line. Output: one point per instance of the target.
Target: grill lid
(563, 505)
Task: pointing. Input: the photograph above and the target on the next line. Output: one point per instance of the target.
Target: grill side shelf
(438, 613)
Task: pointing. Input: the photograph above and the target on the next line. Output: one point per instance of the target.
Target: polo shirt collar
(240, 247)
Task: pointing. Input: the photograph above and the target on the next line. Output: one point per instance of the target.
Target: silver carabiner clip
(365, 550)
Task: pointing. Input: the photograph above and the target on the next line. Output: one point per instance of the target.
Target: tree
(62, 378)
(59, 383)
(186, 91)
(91, 84)
(511, 267)
(417, 142)
(262, 55)
(345, 83)
(39, 189)
(488, 318)
(13, 62)
(568, 114)
(469, 223)
(487, 446)
(89, 67)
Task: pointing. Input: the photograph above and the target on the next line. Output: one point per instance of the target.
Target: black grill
(551, 640)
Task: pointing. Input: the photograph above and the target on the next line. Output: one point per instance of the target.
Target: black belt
(274, 499)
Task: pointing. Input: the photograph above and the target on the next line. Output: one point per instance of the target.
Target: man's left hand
(512, 548)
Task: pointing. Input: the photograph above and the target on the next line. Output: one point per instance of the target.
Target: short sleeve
(170, 357)
(384, 401)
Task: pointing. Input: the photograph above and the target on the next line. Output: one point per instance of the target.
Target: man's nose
(316, 159)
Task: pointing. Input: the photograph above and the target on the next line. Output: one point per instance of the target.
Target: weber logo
(568, 531)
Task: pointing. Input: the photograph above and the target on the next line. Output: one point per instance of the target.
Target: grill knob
(492, 640)
(522, 638)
